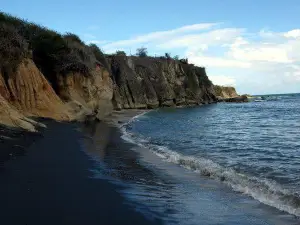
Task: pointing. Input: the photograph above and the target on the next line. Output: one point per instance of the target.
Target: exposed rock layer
(87, 94)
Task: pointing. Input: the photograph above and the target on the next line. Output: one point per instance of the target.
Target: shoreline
(52, 182)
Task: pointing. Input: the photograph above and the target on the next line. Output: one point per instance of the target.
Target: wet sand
(51, 181)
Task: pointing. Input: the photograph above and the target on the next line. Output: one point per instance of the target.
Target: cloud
(223, 80)
(207, 61)
(157, 37)
(262, 61)
(292, 33)
(211, 38)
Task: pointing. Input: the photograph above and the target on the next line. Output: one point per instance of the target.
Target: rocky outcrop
(229, 94)
(224, 92)
(147, 82)
(11, 117)
(237, 99)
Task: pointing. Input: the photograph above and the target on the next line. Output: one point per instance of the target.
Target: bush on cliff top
(13, 48)
(52, 52)
(99, 56)
(142, 52)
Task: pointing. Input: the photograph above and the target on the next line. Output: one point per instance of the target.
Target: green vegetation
(176, 57)
(120, 53)
(52, 52)
(168, 55)
(13, 48)
(184, 61)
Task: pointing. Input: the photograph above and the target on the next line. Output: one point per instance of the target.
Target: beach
(107, 173)
(49, 179)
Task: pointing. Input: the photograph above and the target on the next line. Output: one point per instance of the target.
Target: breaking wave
(266, 191)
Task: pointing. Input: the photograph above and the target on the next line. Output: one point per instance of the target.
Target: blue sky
(253, 45)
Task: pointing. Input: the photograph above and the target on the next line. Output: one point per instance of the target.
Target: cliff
(46, 74)
(147, 82)
(223, 92)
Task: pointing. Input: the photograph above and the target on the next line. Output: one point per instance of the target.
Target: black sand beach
(51, 181)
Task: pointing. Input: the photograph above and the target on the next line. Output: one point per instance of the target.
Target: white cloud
(260, 52)
(292, 33)
(158, 36)
(207, 61)
(215, 37)
(223, 80)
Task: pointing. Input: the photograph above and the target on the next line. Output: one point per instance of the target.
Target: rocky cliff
(46, 74)
(147, 82)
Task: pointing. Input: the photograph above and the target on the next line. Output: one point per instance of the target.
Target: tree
(176, 57)
(120, 53)
(184, 61)
(142, 52)
(167, 55)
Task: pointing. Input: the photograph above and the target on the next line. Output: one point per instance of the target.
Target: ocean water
(223, 163)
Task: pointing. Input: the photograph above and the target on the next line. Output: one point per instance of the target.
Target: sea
(225, 163)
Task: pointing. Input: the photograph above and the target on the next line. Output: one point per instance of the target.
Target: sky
(253, 45)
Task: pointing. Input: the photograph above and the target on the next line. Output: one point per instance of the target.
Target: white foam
(265, 191)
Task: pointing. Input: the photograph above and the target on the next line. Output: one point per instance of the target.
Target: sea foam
(266, 191)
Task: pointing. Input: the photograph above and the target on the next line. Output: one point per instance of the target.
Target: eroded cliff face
(87, 95)
(27, 91)
(223, 92)
(146, 82)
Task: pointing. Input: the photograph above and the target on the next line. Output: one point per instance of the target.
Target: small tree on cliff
(120, 53)
(176, 57)
(142, 52)
(168, 55)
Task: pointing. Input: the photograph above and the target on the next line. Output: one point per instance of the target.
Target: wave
(263, 190)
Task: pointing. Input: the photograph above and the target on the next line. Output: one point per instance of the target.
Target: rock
(229, 94)
(238, 99)
(224, 92)
(10, 116)
(148, 82)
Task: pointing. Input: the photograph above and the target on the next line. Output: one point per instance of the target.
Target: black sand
(51, 184)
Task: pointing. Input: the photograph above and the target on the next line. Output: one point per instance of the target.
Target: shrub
(168, 55)
(73, 38)
(100, 57)
(52, 52)
(141, 52)
(176, 57)
(13, 48)
(184, 61)
(120, 53)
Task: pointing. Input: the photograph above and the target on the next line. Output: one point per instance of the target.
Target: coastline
(52, 181)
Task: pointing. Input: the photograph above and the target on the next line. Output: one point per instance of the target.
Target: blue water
(222, 163)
